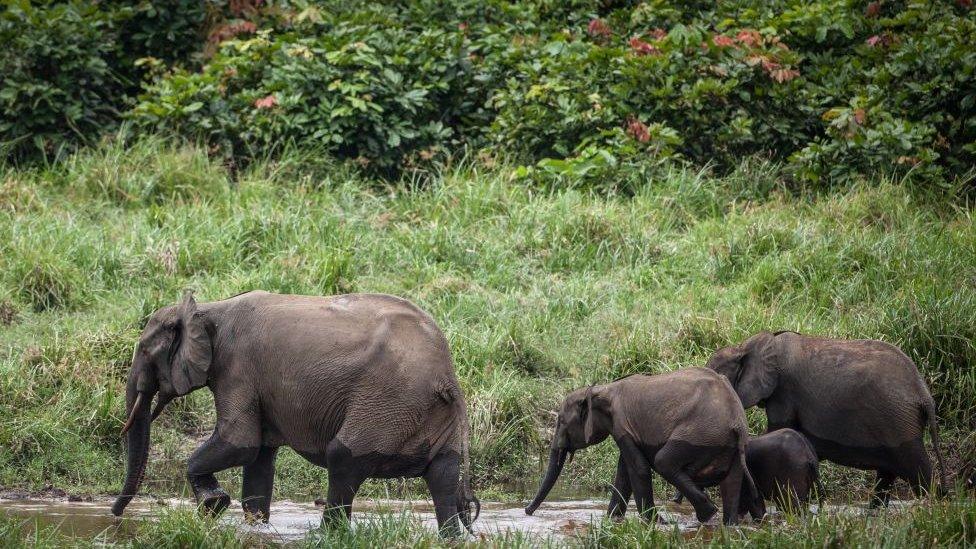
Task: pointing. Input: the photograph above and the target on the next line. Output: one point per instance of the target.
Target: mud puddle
(291, 521)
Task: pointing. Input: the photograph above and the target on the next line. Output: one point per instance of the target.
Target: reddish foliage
(880, 40)
(598, 28)
(641, 47)
(860, 116)
(266, 102)
(638, 130)
(873, 9)
(659, 33)
(749, 37)
(783, 75)
(240, 7)
(463, 27)
(964, 3)
(723, 41)
(230, 30)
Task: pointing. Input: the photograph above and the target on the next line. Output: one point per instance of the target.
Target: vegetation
(538, 290)
(589, 89)
(575, 190)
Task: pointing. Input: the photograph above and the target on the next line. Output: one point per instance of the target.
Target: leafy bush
(59, 80)
(384, 96)
(587, 91)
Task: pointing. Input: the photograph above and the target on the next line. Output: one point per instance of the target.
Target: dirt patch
(8, 313)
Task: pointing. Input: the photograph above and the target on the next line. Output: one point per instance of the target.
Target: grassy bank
(539, 291)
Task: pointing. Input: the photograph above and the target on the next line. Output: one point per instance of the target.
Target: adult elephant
(861, 403)
(361, 384)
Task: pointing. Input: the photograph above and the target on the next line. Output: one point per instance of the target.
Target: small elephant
(361, 384)
(687, 425)
(861, 403)
(785, 469)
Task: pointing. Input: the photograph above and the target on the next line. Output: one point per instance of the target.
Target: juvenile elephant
(785, 469)
(861, 403)
(361, 384)
(687, 425)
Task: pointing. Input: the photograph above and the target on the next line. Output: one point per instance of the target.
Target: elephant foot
(706, 513)
(213, 501)
(256, 516)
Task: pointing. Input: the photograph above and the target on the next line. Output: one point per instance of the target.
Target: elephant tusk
(132, 414)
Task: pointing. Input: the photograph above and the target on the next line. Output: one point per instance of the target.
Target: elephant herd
(364, 385)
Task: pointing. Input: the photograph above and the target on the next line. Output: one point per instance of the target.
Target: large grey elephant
(687, 425)
(861, 403)
(361, 384)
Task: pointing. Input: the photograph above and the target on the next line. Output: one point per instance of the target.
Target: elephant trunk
(137, 431)
(557, 458)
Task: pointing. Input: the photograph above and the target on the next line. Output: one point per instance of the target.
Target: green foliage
(387, 97)
(60, 78)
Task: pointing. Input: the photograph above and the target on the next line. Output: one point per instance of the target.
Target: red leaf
(723, 41)
(873, 9)
(859, 116)
(874, 40)
(638, 130)
(266, 102)
(749, 37)
(784, 75)
(659, 33)
(599, 28)
(641, 47)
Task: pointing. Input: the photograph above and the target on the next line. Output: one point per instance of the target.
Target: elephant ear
(755, 377)
(597, 416)
(191, 360)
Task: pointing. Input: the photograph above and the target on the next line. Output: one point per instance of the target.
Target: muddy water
(291, 521)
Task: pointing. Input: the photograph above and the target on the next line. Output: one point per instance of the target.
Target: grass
(539, 290)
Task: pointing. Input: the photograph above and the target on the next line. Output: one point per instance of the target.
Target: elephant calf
(687, 425)
(785, 468)
(361, 384)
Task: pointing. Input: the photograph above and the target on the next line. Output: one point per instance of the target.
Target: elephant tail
(821, 491)
(467, 494)
(928, 410)
(753, 491)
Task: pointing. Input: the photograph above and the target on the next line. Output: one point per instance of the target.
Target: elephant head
(171, 359)
(751, 367)
(583, 420)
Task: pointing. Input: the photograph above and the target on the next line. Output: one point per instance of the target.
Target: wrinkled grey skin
(785, 468)
(861, 403)
(361, 384)
(686, 425)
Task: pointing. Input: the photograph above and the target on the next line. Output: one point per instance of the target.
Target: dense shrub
(384, 96)
(59, 80)
(587, 90)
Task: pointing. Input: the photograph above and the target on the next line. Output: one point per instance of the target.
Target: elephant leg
(641, 481)
(345, 478)
(882, 489)
(258, 483)
(731, 488)
(670, 461)
(444, 482)
(620, 491)
(915, 466)
(211, 457)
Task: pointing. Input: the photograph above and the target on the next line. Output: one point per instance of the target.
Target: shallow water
(292, 520)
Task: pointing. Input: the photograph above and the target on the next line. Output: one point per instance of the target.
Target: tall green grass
(539, 290)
